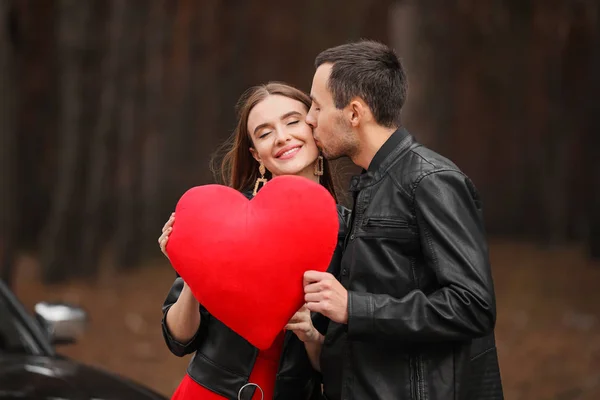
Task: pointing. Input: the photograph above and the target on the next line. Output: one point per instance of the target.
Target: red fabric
(263, 374)
(244, 260)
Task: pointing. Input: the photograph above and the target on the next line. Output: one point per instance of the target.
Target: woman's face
(282, 139)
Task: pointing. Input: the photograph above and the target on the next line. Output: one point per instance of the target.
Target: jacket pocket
(394, 228)
(379, 222)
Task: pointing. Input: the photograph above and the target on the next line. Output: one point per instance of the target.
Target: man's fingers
(313, 288)
(315, 307)
(314, 276)
(313, 298)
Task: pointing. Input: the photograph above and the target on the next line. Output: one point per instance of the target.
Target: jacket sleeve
(178, 348)
(453, 243)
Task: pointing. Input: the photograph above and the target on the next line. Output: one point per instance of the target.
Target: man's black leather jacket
(421, 304)
(223, 360)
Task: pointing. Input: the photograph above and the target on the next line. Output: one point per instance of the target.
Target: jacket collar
(399, 141)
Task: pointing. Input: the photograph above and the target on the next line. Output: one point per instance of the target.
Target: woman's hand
(166, 231)
(302, 326)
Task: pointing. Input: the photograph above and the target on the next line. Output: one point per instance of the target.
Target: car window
(14, 335)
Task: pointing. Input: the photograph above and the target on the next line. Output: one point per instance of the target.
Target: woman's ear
(254, 154)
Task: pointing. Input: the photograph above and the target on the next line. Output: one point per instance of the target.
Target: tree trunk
(176, 95)
(556, 149)
(95, 197)
(205, 46)
(154, 135)
(546, 142)
(127, 237)
(507, 155)
(436, 21)
(593, 242)
(36, 116)
(57, 246)
(592, 146)
(8, 92)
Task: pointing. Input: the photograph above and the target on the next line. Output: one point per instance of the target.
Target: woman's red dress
(263, 374)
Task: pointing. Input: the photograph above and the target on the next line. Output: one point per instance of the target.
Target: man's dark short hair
(369, 70)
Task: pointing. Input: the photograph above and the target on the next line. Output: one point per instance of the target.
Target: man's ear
(358, 112)
(254, 154)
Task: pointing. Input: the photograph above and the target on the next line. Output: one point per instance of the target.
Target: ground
(548, 328)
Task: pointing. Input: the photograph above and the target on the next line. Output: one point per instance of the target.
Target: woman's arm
(313, 349)
(183, 317)
(181, 311)
(301, 324)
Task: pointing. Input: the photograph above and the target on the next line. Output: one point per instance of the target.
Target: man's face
(331, 130)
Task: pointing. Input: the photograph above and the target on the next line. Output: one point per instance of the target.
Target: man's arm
(454, 246)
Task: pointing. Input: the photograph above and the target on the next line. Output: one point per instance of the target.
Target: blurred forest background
(111, 109)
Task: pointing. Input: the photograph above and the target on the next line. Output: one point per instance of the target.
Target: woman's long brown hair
(238, 169)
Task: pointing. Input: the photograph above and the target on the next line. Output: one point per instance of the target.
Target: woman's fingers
(169, 222)
(163, 239)
(165, 234)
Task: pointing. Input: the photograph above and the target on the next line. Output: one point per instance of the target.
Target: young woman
(271, 139)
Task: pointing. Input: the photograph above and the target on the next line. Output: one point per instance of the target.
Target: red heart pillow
(244, 260)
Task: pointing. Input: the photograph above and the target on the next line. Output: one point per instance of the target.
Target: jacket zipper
(417, 387)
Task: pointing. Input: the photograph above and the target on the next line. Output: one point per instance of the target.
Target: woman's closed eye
(293, 122)
(264, 134)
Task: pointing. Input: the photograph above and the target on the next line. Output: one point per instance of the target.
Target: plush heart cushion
(244, 260)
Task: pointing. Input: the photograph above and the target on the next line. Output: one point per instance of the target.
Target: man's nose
(311, 120)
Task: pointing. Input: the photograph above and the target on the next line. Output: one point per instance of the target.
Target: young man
(413, 312)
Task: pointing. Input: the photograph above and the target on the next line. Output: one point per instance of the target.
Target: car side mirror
(63, 323)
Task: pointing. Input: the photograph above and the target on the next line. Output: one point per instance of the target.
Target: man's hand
(302, 326)
(326, 295)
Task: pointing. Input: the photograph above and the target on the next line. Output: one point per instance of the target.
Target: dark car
(31, 369)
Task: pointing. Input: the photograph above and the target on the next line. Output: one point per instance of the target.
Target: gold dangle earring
(262, 180)
(319, 166)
